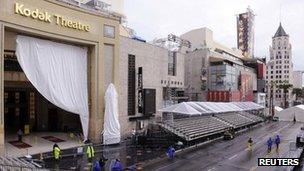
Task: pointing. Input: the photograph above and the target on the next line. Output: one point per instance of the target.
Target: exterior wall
(205, 51)
(154, 61)
(280, 68)
(50, 30)
(196, 74)
(298, 79)
(199, 37)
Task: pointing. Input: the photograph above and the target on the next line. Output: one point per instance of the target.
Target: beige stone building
(279, 67)
(145, 67)
(84, 27)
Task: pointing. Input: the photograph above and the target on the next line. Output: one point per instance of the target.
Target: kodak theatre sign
(49, 18)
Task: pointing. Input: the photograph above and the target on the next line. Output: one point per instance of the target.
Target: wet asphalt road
(233, 155)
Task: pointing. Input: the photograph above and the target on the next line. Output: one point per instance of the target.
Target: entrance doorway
(25, 108)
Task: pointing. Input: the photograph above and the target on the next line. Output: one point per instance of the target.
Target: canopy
(289, 113)
(59, 73)
(111, 133)
(195, 108)
(181, 108)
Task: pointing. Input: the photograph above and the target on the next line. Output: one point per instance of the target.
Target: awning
(195, 108)
(181, 108)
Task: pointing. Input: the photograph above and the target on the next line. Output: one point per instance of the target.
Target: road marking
(232, 157)
(211, 169)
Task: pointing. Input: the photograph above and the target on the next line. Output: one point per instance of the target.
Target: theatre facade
(37, 31)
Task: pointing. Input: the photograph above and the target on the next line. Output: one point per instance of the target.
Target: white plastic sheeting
(289, 113)
(196, 108)
(181, 108)
(278, 109)
(111, 132)
(59, 72)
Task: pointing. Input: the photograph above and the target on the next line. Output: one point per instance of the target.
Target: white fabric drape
(111, 133)
(59, 72)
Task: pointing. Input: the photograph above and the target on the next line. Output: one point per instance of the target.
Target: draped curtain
(59, 72)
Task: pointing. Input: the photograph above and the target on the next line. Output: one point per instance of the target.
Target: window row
(172, 82)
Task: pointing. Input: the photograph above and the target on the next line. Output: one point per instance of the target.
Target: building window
(109, 31)
(172, 63)
(131, 84)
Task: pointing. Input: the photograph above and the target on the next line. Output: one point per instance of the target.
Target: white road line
(232, 157)
(211, 169)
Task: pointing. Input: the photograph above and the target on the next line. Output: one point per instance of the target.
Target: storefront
(61, 25)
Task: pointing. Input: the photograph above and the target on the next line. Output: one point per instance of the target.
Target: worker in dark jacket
(96, 166)
(117, 166)
(277, 141)
(20, 134)
(269, 144)
(102, 162)
(170, 152)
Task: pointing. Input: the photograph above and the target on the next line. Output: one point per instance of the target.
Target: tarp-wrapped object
(59, 73)
(111, 132)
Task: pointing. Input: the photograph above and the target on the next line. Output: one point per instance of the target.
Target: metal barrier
(4, 167)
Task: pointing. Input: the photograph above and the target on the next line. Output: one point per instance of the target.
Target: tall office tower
(279, 67)
(245, 33)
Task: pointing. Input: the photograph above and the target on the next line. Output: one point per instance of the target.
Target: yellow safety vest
(90, 151)
(56, 152)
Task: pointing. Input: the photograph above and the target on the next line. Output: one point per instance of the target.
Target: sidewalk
(75, 158)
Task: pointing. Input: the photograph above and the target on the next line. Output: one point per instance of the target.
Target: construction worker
(96, 166)
(170, 152)
(269, 144)
(117, 166)
(250, 142)
(20, 134)
(90, 152)
(56, 152)
(277, 141)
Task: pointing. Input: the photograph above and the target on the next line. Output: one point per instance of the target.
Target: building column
(2, 144)
(96, 102)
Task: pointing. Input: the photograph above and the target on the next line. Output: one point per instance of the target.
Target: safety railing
(6, 167)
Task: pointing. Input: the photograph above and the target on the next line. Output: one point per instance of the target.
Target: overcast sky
(157, 18)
